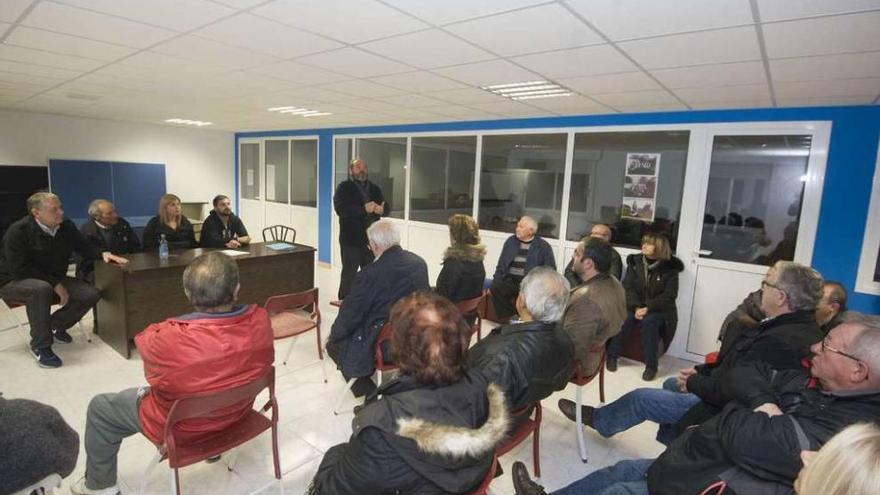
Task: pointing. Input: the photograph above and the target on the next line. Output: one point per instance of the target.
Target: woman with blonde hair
(171, 223)
(463, 273)
(849, 464)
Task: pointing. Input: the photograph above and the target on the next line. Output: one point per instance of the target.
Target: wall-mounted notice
(640, 186)
(270, 182)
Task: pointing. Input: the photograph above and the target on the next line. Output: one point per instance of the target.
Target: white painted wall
(198, 162)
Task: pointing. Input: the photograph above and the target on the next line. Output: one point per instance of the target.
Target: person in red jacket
(218, 347)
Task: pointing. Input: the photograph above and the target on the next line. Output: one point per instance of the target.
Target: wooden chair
(488, 310)
(529, 426)
(254, 423)
(279, 233)
(487, 480)
(291, 317)
(580, 380)
(471, 308)
(380, 364)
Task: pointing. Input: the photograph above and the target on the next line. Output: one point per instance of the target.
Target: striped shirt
(518, 267)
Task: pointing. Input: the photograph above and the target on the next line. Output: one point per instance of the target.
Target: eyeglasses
(827, 347)
(765, 284)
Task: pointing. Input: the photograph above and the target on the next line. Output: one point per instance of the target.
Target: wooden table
(149, 290)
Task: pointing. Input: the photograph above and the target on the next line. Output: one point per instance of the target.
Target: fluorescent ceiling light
(197, 123)
(302, 112)
(528, 90)
(554, 95)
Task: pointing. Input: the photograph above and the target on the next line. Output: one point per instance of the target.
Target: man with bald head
(521, 252)
(599, 231)
(107, 231)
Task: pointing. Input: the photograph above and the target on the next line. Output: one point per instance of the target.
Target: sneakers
(62, 336)
(567, 407)
(611, 364)
(522, 482)
(649, 374)
(80, 488)
(46, 358)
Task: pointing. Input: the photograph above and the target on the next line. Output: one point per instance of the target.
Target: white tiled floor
(308, 427)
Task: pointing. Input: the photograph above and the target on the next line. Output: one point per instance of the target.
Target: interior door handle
(703, 252)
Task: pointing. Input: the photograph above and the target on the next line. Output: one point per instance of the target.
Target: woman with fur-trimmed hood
(434, 428)
(463, 273)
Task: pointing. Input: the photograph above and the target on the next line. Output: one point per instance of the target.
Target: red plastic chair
(13, 303)
(530, 426)
(488, 311)
(288, 319)
(471, 308)
(254, 423)
(379, 363)
(711, 358)
(580, 380)
(718, 486)
(490, 475)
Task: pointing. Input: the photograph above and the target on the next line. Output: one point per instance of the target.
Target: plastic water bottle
(163, 248)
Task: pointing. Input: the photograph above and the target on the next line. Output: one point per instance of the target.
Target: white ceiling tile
(180, 15)
(418, 114)
(610, 83)
(362, 89)
(12, 79)
(340, 19)
(467, 96)
(355, 61)
(457, 10)
(586, 61)
(825, 101)
(775, 10)
(726, 93)
(373, 105)
(10, 10)
(412, 101)
(826, 35)
(489, 73)
(510, 108)
(37, 70)
(736, 73)
(724, 103)
(411, 49)
(314, 93)
(296, 72)
(78, 22)
(820, 89)
(211, 52)
(628, 19)
(570, 105)
(26, 55)
(154, 65)
(537, 29)
(266, 36)
(65, 44)
(422, 81)
(240, 4)
(825, 67)
(629, 98)
(706, 47)
(651, 107)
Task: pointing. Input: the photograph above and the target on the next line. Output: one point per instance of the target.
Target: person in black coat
(358, 203)
(463, 273)
(107, 231)
(599, 231)
(651, 285)
(171, 223)
(433, 429)
(223, 228)
(394, 275)
(521, 252)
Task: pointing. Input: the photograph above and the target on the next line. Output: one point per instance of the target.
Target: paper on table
(233, 252)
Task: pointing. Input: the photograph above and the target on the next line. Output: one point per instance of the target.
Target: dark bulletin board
(17, 183)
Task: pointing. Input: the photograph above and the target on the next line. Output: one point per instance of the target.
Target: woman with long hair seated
(431, 430)
(848, 464)
(463, 272)
(172, 223)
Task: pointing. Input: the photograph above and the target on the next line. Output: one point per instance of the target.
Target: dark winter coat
(29, 252)
(540, 254)
(123, 240)
(353, 219)
(655, 286)
(182, 238)
(463, 274)
(616, 270)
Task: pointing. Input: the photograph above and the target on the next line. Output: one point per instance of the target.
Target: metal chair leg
(146, 477)
(341, 400)
(579, 426)
(231, 457)
(82, 330)
(289, 350)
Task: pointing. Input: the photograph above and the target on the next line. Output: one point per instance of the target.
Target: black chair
(279, 233)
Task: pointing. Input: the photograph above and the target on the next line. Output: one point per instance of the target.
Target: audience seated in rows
(34, 257)
(849, 464)
(781, 340)
(772, 415)
(651, 284)
(597, 307)
(222, 228)
(603, 232)
(394, 275)
(832, 306)
(532, 358)
(463, 273)
(171, 223)
(36, 442)
(217, 347)
(432, 429)
(107, 231)
(521, 252)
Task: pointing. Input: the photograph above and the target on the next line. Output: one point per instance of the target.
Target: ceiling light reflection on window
(298, 111)
(528, 90)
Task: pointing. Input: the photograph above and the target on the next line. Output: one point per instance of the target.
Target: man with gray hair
(393, 275)
(219, 346)
(522, 252)
(107, 231)
(33, 268)
(530, 359)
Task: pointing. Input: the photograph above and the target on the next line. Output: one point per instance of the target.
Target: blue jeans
(623, 478)
(651, 325)
(662, 406)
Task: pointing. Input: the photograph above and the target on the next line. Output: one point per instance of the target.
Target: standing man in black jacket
(33, 268)
(107, 231)
(223, 228)
(359, 203)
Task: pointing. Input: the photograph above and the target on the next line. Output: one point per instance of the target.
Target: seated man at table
(223, 228)
(393, 275)
(107, 231)
(33, 268)
(217, 347)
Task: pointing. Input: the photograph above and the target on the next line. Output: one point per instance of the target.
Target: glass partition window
(342, 156)
(442, 177)
(304, 173)
(630, 181)
(386, 164)
(522, 174)
(277, 159)
(249, 170)
(753, 203)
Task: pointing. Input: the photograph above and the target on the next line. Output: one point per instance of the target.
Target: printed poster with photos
(640, 186)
